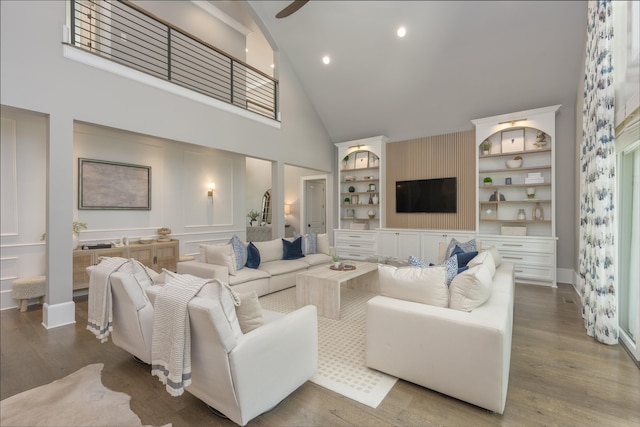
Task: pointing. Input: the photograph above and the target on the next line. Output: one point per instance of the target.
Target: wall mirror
(266, 207)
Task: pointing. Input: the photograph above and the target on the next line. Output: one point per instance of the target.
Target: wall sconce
(287, 209)
(211, 186)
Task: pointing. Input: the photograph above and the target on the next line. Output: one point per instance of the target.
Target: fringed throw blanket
(171, 342)
(100, 314)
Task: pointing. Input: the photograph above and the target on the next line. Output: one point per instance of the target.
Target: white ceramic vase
(75, 241)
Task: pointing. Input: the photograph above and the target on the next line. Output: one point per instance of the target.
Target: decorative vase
(531, 192)
(521, 215)
(75, 241)
(375, 199)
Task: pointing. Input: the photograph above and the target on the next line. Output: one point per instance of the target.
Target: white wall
(36, 77)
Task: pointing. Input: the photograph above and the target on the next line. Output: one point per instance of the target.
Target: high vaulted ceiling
(459, 61)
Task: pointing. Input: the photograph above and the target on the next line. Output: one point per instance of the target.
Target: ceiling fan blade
(292, 8)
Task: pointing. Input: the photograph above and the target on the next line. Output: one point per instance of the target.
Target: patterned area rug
(341, 358)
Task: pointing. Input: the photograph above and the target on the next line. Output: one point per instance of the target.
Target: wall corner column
(59, 308)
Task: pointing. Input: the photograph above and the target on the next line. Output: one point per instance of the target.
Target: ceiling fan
(291, 9)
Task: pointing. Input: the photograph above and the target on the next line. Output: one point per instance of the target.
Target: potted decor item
(253, 215)
(76, 227)
(345, 161)
(336, 261)
(487, 181)
(485, 146)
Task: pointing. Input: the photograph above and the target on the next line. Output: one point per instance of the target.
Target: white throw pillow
(495, 253)
(485, 258)
(221, 255)
(249, 311)
(426, 285)
(470, 289)
(322, 244)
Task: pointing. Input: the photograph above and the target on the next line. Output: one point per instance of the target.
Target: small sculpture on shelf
(541, 139)
(497, 197)
(538, 213)
(163, 234)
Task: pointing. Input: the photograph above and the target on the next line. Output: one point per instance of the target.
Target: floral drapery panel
(597, 180)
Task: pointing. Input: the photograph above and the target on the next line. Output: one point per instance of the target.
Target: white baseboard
(57, 315)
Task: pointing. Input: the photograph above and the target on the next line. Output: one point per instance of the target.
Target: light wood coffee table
(321, 286)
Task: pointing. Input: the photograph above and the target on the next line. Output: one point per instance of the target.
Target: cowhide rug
(79, 399)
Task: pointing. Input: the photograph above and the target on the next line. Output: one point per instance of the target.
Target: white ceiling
(460, 60)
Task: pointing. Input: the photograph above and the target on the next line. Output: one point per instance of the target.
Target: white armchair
(132, 315)
(245, 375)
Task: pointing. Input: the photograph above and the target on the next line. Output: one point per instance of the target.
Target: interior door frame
(303, 202)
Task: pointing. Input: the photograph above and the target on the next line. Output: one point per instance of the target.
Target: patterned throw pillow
(240, 250)
(469, 246)
(415, 262)
(253, 256)
(463, 257)
(452, 268)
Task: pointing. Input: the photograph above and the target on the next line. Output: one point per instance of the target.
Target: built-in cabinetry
(401, 243)
(155, 255)
(516, 190)
(353, 244)
(361, 190)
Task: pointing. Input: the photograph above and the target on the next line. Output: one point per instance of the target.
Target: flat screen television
(436, 195)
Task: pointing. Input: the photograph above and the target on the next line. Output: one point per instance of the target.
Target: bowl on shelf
(146, 241)
(514, 163)
(349, 178)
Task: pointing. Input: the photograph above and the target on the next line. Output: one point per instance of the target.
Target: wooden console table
(155, 255)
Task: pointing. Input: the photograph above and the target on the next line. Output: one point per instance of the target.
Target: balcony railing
(127, 34)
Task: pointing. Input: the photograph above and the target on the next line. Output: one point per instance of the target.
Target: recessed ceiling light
(402, 31)
(326, 60)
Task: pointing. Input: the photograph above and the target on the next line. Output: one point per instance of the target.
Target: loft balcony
(123, 32)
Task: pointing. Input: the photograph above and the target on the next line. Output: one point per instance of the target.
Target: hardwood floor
(559, 376)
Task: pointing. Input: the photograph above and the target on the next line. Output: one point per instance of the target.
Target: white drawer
(521, 244)
(519, 258)
(362, 256)
(537, 273)
(352, 235)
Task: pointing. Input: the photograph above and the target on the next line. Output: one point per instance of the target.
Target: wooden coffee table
(321, 286)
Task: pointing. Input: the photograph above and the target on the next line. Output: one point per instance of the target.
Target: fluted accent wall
(438, 156)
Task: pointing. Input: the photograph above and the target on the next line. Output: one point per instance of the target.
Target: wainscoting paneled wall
(438, 156)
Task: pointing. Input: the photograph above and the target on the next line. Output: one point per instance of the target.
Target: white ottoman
(29, 287)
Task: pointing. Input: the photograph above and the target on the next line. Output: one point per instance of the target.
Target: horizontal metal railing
(123, 32)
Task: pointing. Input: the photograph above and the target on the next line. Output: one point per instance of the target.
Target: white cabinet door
(408, 243)
(398, 244)
(430, 242)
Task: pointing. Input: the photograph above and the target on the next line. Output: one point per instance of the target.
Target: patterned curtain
(597, 180)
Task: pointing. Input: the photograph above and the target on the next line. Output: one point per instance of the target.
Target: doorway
(314, 205)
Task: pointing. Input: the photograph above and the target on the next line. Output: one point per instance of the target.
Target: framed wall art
(113, 186)
(362, 159)
(512, 140)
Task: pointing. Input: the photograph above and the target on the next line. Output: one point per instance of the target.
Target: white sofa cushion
(427, 285)
(221, 255)
(470, 289)
(495, 253)
(485, 258)
(270, 250)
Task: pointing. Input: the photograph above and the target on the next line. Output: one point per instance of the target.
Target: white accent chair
(245, 375)
(132, 316)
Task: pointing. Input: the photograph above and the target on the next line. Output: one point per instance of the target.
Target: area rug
(79, 399)
(341, 347)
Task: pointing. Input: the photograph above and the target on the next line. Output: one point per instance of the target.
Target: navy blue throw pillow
(253, 256)
(463, 257)
(461, 269)
(292, 250)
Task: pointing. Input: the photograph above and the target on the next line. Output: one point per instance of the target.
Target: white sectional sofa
(463, 354)
(272, 274)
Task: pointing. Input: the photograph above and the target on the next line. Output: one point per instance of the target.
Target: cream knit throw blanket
(171, 342)
(100, 314)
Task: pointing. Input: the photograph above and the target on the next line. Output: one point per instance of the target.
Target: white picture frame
(512, 141)
(362, 160)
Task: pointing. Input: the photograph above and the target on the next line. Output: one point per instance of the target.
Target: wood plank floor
(559, 376)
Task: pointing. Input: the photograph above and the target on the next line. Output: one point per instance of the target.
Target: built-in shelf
(515, 153)
(515, 170)
(501, 202)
